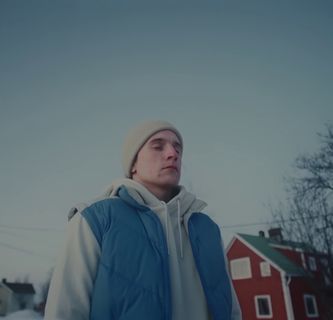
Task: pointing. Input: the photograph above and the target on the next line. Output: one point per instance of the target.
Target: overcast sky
(248, 83)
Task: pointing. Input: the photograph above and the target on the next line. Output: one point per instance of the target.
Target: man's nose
(171, 151)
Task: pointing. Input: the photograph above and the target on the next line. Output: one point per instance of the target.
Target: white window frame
(268, 298)
(248, 272)
(314, 301)
(325, 270)
(265, 269)
(312, 263)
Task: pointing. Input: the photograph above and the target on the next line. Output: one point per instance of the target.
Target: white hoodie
(74, 274)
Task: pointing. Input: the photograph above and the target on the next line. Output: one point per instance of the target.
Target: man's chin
(171, 183)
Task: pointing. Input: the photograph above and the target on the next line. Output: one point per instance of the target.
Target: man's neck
(165, 193)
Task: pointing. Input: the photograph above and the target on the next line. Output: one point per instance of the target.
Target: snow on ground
(23, 315)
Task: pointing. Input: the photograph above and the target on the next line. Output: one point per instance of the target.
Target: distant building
(277, 279)
(15, 296)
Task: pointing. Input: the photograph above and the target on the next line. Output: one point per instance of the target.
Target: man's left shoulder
(204, 220)
(202, 216)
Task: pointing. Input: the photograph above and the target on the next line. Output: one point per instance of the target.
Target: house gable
(262, 282)
(261, 246)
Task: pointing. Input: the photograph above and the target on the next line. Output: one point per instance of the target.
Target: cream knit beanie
(137, 137)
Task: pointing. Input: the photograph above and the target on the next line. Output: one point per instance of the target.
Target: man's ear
(133, 169)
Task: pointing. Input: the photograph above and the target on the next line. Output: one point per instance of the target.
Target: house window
(326, 271)
(312, 264)
(310, 306)
(324, 262)
(263, 306)
(240, 268)
(265, 269)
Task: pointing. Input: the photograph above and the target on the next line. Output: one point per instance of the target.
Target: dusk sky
(248, 83)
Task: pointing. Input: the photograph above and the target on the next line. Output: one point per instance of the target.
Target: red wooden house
(274, 278)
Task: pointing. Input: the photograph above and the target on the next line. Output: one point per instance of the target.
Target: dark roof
(264, 246)
(292, 244)
(25, 288)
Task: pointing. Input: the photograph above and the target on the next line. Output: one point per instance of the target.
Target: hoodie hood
(187, 201)
(173, 214)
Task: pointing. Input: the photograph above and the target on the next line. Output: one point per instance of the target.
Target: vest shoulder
(103, 205)
(203, 225)
(102, 214)
(203, 218)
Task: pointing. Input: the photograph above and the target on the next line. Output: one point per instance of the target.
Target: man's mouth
(171, 167)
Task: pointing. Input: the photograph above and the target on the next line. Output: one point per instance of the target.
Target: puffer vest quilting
(132, 280)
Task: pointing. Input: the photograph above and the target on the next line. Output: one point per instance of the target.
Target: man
(144, 250)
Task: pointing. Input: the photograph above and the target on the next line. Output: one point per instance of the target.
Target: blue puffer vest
(132, 280)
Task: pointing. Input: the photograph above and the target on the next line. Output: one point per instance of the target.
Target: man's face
(158, 162)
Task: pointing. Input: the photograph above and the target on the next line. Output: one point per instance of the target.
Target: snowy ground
(23, 315)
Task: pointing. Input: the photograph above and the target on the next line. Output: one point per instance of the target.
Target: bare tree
(307, 214)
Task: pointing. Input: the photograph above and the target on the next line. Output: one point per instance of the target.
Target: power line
(242, 225)
(5, 232)
(29, 252)
(45, 229)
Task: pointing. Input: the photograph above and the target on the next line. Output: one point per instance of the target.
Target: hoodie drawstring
(179, 229)
(167, 225)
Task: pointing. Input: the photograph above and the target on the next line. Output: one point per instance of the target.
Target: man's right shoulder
(92, 205)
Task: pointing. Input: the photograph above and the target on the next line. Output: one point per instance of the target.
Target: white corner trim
(230, 244)
(285, 280)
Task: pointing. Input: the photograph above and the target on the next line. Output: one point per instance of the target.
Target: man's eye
(178, 148)
(157, 147)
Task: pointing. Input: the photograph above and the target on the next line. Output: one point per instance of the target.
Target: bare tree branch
(306, 215)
